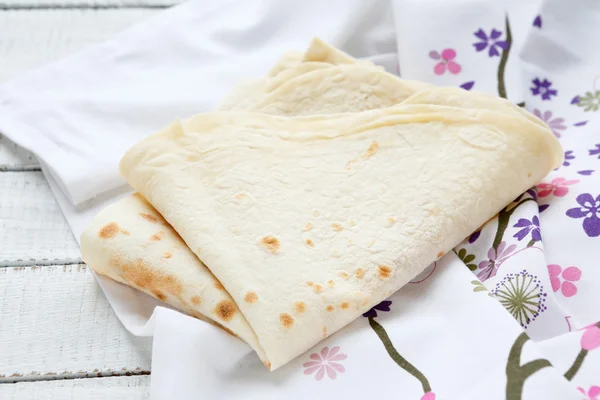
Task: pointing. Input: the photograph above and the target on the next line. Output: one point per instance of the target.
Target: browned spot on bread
(324, 331)
(318, 288)
(391, 220)
(371, 150)
(167, 255)
(309, 283)
(440, 254)
(529, 175)
(240, 195)
(310, 243)
(337, 227)
(218, 285)
(196, 300)
(267, 364)
(198, 250)
(109, 231)
(139, 196)
(149, 217)
(308, 227)
(300, 307)
(250, 297)
(360, 273)
(271, 244)
(159, 295)
(330, 283)
(158, 236)
(329, 308)
(344, 275)
(225, 310)
(145, 277)
(125, 232)
(115, 260)
(316, 213)
(286, 320)
(384, 271)
(345, 305)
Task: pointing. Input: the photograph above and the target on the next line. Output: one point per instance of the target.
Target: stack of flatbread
(311, 195)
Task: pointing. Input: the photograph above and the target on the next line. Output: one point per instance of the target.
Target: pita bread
(320, 218)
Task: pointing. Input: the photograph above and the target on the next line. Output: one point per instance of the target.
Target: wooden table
(59, 338)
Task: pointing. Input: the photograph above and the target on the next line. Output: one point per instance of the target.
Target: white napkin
(442, 336)
(81, 114)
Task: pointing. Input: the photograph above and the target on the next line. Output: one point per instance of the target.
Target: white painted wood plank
(32, 38)
(114, 388)
(32, 226)
(29, 4)
(13, 157)
(55, 320)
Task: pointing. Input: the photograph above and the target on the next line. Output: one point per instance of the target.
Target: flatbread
(131, 243)
(320, 218)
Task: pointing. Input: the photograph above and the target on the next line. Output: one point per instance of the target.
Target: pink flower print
(570, 275)
(555, 124)
(593, 392)
(590, 339)
(558, 187)
(428, 396)
(325, 361)
(446, 62)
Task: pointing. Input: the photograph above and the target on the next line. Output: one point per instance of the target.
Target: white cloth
(80, 114)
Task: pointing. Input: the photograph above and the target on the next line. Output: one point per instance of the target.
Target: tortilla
(131, 243)
(320, 218)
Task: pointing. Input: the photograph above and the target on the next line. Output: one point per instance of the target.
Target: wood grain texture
(32, 227)
(56, 323)
(121, 388)
(15, 158)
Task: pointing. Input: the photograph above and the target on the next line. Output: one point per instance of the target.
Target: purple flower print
(468, 85)
(532, 226)
(474, 236)
(568, 157)
(383, 306)
(543, 207)
(325, 361)
(590, 211)
(538, 21)
(490, 42)
(543, 88)
(496, 258)
(555, 124)
(595, 151)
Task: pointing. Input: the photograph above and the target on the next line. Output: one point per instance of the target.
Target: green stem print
(503, 61)
(401, 361)
(517, 374)
(503, 220)
(576, 364)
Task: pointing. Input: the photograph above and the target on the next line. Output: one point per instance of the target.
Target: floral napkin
(538, 258)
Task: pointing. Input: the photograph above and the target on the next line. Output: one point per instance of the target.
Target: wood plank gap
(50, 376)
(20, 168)
(41, 263)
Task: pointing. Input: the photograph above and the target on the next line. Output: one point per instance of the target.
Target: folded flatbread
(310, 221)
(198, 292)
